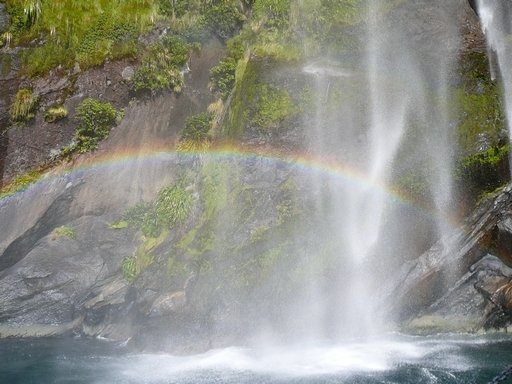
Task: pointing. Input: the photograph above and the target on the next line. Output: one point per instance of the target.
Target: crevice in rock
(57, 214)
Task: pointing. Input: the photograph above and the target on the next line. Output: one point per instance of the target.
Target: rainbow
(305, 162)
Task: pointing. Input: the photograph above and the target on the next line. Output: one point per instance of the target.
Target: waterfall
(399, 89)
(496, 20)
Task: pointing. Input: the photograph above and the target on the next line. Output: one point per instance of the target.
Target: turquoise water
(397, 360)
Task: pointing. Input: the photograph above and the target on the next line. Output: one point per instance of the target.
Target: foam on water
(298, 362)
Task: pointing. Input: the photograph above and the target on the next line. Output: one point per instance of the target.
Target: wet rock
(169, 303)
(451, 287)
(48, 284)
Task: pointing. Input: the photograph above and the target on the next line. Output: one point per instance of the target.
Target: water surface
(456, 359)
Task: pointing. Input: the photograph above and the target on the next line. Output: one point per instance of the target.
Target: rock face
(4, 19)
(450, 287)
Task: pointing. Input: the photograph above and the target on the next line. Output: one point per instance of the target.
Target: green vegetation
(56, 113)
(161, 66)
(222, 77)
(24, 105)
(20, 183)
(95, 119)
(197, 127)
(134, 265)
(478, 105)
(224, 19)
(273, 106)
(73, 31)
(481, 115)
(274, 13)
(120, 224)
(64, 231)
(172, 206)
(129, 268)
(173, 8)
(484, 171)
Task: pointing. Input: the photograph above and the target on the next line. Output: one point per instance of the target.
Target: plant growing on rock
(63, 231)
(162, 66)
(273, 107)
(171, 207)
(20, 183)
(222, 77)
(173, 204)
(129, 268)
(95, 119)
(69, 31)
(197, 127)
(484, 171)
(24, 105)
(224, 19)
(56, 113)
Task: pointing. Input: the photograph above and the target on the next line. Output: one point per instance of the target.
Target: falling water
(496, 19)
(398, 86)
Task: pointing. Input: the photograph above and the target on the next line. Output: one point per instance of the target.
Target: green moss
(484, 171)
(120, 224)
(244, 94)
(273, 107)
(24, 105)
(481, 114)
(271, 258)
(175, 9)
(478, 103)
(20, 183)
(487, 195)
(64, 232)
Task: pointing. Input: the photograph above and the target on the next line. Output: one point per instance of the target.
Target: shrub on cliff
(24, 105)
(162, 66)
(222, 77)
(171, 207)
(95, 119)
(224, 19)
(197, 127)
